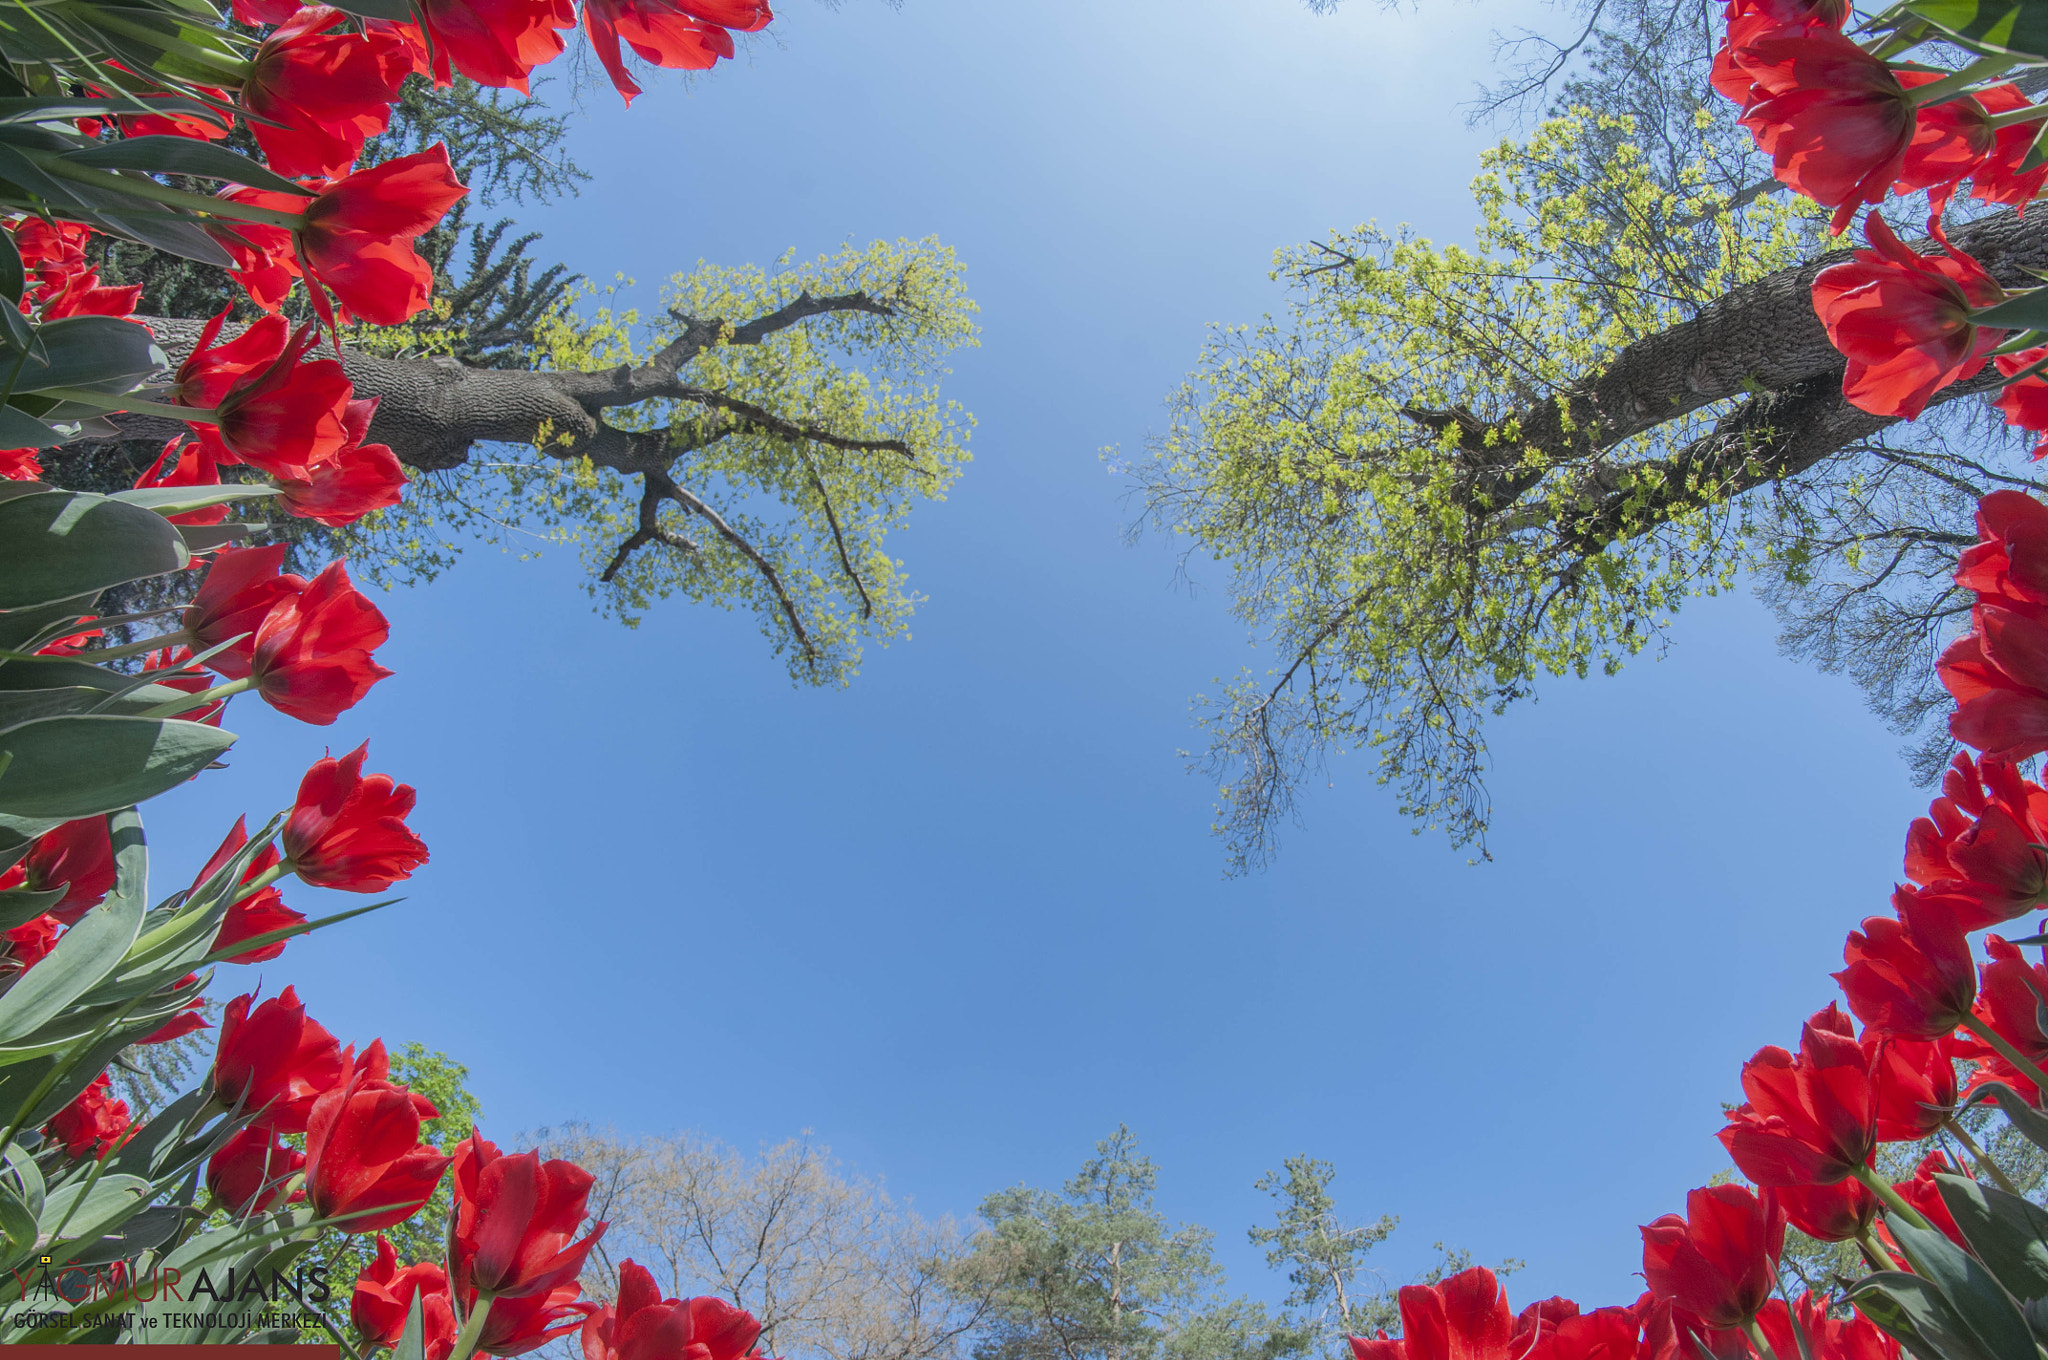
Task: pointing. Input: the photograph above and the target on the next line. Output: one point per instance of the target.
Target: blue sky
(965, 917)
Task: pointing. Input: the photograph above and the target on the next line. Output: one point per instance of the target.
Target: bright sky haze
(964, 917)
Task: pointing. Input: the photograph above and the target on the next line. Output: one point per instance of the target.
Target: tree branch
(431, 411)
(1760, 337)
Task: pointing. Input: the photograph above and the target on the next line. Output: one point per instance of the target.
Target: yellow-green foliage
(859, 376)
(1350, 526)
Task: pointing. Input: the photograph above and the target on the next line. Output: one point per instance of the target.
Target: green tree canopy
(1094, 1271)
(1446, 473)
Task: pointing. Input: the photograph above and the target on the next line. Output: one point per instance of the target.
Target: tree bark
(1762, 337)
(430, 411)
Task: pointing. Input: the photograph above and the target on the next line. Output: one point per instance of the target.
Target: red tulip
(1720, 1261)
(495, 42)
(312, 658)
(62, 281)
(30, 943)
(257, 914)
(514, 1218)
(1916, 1086)
(273, 1061)
(349, 483)
(1977, 843)
(2010, 558)
(2025, 402)
(642, 1325)
(355, 241)
(1603, 1334)
(287, 416)
(2010, 998)
(1902, 319)
(1835, 121)
(1810, 1119)
(1952, 139)
(249, 1173)
(347, 831)
(383, 1301)
(1749, 21)
(1465, 1317)
(365, 1164)
(241, 587)
(93, 1124)
(1924, 1195)
(77, 857)
(516, 1326)
(1827, 1337)
(1911, 978)
(20, 465)
(2001, 179)
(683, 34)
(329, 91)
(1828, 1213)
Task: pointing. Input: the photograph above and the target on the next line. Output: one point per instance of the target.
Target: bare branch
(695, 506)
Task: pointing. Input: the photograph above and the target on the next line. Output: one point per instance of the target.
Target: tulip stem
(1756, 1339)
(1893, 1201)
(472, 1329)
(144, 187)
(1956, 85)
(200, 700)
(263, 880)
(2032, 113)
(1874, 1252)
(2021, 1062)
(110, 401)
(1982, 1158)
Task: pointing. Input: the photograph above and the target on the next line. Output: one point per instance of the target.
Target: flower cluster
(509, 1284)
(316, 87)
(1849, 125)
(1940, 1028)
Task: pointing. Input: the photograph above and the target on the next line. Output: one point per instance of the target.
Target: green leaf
(17, 834)
(1915, 1314)
(79, 1214)
(2028, 310)
(88, 351)
(60, 672)
(65, 109)
(20, 430)
(2031, 1123)
(19, 906)
(145, 1231)
(17, 1228)
(13, 278)
(2018, 27)
(2009, 1234)
(176, 500)
(153, 1151)
(201, 538)
(1985, 1307)
(184, 156)
(78, 765)
(90, 950)
(19, 627)
(412, 1344)
(26, 705)
(60, 544)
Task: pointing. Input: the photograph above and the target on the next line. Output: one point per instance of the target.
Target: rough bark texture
(1762, 338)
(432, 410)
